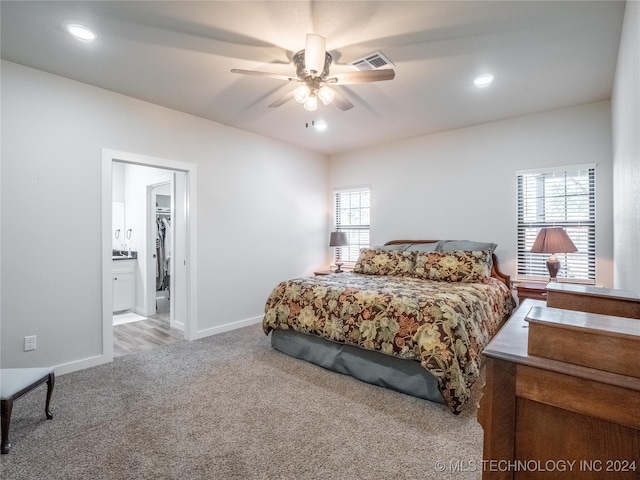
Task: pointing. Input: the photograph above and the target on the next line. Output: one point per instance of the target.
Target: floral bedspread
(443, 325)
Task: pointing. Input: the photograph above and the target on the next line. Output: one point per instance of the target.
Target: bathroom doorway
(164, 286)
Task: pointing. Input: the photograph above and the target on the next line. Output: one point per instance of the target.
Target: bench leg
(6, 407)
(50, 383)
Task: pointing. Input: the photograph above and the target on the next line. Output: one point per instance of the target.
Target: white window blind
(352, 215)
(565, 198)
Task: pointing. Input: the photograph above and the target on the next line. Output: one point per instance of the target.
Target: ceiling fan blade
(365, 76)
(341, 102)
(282, 100)
(265, 74)
(314, 54)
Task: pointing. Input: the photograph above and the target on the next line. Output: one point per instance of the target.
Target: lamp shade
(338, 239)
(326, 94)
(553, 240)
(311, 103)
(301, 94)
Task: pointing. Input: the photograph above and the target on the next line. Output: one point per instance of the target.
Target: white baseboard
(228, 327)
(100, 359)
(81, 364)
(177, 325)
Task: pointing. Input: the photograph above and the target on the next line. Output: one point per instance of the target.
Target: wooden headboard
(495, 269)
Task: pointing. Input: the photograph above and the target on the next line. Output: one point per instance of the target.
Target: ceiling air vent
(372, 61)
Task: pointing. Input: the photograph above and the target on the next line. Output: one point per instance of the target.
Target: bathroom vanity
(124, 284)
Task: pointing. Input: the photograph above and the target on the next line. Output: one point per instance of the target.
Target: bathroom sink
(116, 255)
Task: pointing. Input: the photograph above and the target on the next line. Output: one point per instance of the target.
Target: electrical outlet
(29, 343)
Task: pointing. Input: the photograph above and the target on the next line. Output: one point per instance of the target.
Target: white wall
(262, 211)
(625, 106)
(461, 184)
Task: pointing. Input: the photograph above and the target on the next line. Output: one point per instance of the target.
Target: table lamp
(338, 239)
(553, 240)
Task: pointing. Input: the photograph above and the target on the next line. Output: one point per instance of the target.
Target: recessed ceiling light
(320, 125)
(81, 32)
(483, 80)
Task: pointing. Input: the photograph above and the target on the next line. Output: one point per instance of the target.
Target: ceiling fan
(312, 70)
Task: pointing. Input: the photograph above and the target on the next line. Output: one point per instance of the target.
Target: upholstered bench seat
(14, 383)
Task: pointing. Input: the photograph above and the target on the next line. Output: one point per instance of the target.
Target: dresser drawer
(534, 291)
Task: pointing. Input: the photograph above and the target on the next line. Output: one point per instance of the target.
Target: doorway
(152, 178)
(160, 238)
(166, 240)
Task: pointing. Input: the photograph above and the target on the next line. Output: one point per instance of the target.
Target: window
(352, 210)
(563, 197)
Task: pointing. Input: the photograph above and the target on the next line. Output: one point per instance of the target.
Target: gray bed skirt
(405, 376)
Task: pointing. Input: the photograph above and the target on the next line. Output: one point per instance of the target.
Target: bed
(413, 316)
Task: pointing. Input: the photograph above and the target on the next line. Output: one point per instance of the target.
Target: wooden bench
(14, 383)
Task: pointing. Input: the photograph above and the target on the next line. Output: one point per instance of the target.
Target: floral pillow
(454, 266)
(373, 261)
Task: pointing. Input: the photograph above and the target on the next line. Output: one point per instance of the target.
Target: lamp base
(338, 269)
(554, 267)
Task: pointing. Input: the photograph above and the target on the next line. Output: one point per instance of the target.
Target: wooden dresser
(547, 415)
(585, 298)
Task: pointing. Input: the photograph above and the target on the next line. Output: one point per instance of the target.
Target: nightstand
(322, 272)
(317, 273)
(534, 291)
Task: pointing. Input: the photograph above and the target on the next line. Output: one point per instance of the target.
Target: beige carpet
(230, 407)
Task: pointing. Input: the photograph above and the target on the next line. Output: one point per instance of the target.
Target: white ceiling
(544, 55)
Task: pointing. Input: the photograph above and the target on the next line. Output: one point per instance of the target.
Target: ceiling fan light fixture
(313, 77)
(326, 94)
(301, 94)
(311, 104)
(314, 54)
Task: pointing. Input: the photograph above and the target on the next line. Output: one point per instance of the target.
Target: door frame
(190, 262)
(176, 203)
